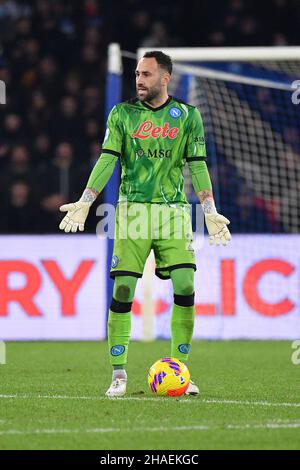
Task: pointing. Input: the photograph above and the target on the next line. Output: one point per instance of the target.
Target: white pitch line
(251, 403)
(162, 429)
(166, 399)
(59, 431)
(70, 397)
(264, 426)
(50, 397)
(105, 430)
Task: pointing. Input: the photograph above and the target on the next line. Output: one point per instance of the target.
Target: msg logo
(2, 353)
(296, 354)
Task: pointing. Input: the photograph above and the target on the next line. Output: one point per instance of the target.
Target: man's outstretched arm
(77, 212)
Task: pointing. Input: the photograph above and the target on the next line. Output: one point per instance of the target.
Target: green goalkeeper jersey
(153, 145)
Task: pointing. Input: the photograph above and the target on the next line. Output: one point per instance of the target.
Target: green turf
(241, 371)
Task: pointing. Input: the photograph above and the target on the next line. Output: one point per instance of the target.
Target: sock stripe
(184, 300)
(117, 306)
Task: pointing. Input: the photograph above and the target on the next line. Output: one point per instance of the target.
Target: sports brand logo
(175, 112)
(147, 129)
(117, 350)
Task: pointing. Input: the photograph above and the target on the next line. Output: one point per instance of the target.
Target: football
(168, 377)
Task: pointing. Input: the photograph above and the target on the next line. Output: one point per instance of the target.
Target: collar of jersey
(159, 107)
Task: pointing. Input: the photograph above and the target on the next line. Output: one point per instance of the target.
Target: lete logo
(147, 130)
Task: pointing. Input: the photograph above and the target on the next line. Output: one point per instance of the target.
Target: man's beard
(149, 95)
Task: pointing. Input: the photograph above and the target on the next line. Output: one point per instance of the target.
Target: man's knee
(124, 288)
(122, 293)
(183, 282)
(187, 288)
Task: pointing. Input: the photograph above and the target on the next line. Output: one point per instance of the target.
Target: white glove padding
(217, 229)
(76, 216)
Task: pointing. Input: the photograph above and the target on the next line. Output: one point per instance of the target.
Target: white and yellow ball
(168, 377)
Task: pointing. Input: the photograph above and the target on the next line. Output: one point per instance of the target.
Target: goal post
(227, 54)
(112, 97)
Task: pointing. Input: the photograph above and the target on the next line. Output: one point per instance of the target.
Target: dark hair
(163, 60)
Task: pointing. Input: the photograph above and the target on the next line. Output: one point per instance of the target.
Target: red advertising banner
(54, 287)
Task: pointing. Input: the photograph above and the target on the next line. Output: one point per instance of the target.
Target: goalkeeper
(152, 136)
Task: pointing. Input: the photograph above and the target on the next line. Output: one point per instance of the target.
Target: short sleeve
(113, 138)
(195, 146)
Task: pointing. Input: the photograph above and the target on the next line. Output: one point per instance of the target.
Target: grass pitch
(52, 397)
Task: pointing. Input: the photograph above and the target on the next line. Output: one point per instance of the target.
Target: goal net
(252, 133)
(248, 101)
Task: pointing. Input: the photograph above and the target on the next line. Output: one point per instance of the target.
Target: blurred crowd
(53, 62)
(205, 23)
(53, 65)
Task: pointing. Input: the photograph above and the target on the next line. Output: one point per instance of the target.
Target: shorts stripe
(113, 274)
(160, 271)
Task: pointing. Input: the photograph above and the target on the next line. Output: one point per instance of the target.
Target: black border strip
(111, 152)
(113, 274)
(117, 306)
(159, 107)
(184, 300)
(171, 268)
(194, 159)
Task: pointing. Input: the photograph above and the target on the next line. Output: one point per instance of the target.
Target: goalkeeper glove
(77, 213)
(217, 229)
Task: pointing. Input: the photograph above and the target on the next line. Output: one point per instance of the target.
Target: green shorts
(140, 227)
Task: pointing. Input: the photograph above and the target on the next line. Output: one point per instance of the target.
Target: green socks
(119, 326)
(182, 326)
(119, 319)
